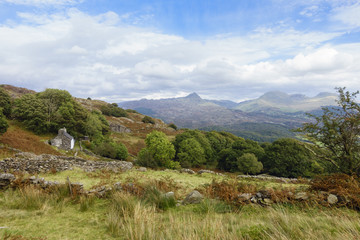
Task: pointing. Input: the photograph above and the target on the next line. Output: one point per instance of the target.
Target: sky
(120, 50)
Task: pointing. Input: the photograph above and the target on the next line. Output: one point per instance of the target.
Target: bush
(111, 150)
(146, 159)
(113, 110)
(131, 111)
(173, 126)
(148, 119)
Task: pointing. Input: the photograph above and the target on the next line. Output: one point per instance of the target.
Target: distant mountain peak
(193, 95)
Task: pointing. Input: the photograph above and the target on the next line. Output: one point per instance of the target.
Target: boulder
(5, 180)
(301, 196)
(245, 196)
(205, 171)
(186, 170)
(169, 195)
(332, 199)
(142, 169)
(193, 197)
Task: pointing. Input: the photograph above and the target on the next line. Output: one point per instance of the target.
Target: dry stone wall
(31, 163)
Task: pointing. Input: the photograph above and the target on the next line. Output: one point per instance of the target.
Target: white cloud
(102, 57)
(348, 15)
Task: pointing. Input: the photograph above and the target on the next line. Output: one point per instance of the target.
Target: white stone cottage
(63, 140)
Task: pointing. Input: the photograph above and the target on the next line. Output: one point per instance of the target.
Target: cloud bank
(100, 56)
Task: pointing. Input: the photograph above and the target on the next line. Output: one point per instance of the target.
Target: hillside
(188, 112)
(274, 112)
(282, 102)
(129, 130)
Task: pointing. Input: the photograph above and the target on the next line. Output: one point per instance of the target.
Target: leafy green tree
(96, 126)
(32, 112)
(337, 130)
(3, 123)
(5, 102)
(228, 158)
(249, 164)
(191, 154)
(200, 137)
(290, 158)
(159, 150)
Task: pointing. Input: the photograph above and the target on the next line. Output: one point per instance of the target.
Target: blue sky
(124, 50)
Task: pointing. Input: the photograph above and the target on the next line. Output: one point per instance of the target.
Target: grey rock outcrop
(115, 127)
(193, 197)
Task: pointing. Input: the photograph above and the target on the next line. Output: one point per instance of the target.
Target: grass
(124, 216)
(31, 213)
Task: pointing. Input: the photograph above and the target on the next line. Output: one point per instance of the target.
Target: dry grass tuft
(346, 187)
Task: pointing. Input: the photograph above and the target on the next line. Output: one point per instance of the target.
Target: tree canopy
(159, 151)
(337, 130)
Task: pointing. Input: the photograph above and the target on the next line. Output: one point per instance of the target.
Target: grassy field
(31, 213)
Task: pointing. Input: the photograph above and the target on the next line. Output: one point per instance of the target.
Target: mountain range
(277, 110)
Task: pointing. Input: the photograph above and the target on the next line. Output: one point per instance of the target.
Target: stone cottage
(63, 140)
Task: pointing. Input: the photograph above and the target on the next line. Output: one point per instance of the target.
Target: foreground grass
(127, 217)
(31, 213)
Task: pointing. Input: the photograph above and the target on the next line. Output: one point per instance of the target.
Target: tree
(228, 158)
(3, 123)
(191, 154)
(200, 137)
(159, 150)
(5, 102)
(248, 163)
(290, 158)
(32, 112)
(338, 130)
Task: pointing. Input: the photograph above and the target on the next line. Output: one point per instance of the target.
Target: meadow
(33, 213)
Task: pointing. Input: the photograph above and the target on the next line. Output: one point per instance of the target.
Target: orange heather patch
(26, 141)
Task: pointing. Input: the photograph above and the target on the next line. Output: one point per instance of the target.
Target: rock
(205, 171)
(266, 201)
(301, 196)
(5, 180)
(193, 197)
(169, 195)
(186, 170)
(253, 199)
(142, 169)
(245, 196)
(332, 199)
(117, 186)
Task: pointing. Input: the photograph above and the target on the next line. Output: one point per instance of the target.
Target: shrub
(148, 119)
(111, 150)
(173, 126)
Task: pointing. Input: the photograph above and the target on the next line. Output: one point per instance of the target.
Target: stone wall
(31, 163)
